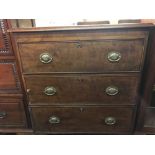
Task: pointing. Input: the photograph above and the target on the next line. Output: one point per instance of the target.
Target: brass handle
(50, 90)
(78, 45)
(3, 114)
(112, 90)
(114, 56)
(54, 120)
(45, 58)
(110, 120)
(28, 91)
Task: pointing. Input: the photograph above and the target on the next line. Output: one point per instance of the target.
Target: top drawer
(82, 56)
(93, 51)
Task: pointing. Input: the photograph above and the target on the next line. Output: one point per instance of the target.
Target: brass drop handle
(54, 120)
(50, 90)
(45, 58)
(114, 56)
(3, 114)
(110, 120)
(78, 45)
(112, 90)
(28, 91)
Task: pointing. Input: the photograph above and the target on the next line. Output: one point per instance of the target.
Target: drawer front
(82, 56)
(11, 114)
(82, 89)
(83, 119)
(9, 82)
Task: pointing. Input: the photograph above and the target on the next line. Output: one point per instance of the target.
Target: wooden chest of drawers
(82, 79)
(12, 112)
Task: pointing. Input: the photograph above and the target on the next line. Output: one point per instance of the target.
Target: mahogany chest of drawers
(83, 79)
(12, 112)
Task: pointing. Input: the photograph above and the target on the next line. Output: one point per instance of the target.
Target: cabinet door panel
(9, 81)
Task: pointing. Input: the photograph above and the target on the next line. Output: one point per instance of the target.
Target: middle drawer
(82, 89)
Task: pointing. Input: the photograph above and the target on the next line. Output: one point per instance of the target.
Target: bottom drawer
(11, 114)
(87, 119)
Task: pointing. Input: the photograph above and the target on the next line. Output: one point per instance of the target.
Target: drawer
(83, 119)
(82, 89)
(11, 114)
(82, 56)
(149, 120)
(9, 81)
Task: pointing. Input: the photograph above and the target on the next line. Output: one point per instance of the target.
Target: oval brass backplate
(114, 56)
(3, 114)
(112, 90)
(110, 120)
(45, 58)
(54, 120)
(50, 90)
